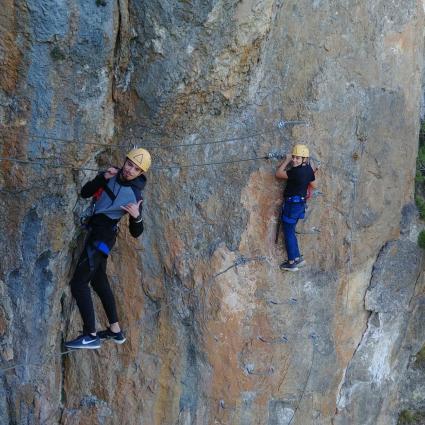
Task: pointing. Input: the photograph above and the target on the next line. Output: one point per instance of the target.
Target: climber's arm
(281, 168)
(313, 183)
(91, 187)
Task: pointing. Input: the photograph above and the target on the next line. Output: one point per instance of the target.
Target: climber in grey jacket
(115, 193)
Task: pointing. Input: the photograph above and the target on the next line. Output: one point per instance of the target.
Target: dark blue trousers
(291, 242)
(292, 212)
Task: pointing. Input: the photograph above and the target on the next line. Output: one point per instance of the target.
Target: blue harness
(102, 247)
(295, 199)
(293, 209)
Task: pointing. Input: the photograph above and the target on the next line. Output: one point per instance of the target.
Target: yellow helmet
(141, 157)
(301, 150)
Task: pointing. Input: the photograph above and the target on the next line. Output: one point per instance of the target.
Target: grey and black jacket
(115, 193)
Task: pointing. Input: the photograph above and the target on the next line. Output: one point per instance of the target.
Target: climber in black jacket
(116, 192)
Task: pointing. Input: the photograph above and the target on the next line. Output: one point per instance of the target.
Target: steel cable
(154, 168)
(280, 125)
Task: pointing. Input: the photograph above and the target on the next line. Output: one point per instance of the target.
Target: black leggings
(91, 268)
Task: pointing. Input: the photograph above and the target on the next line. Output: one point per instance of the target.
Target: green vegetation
(420, 162)
(421, 239)
(420, 204)
(57, 54)
(420, 183)
(101, 3)
(420, 358)
(411, 417)
(406, 417)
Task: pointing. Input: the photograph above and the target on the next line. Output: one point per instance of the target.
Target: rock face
(216, 333)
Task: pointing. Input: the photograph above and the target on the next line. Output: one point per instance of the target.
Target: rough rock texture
(381, 359)
(216, 333)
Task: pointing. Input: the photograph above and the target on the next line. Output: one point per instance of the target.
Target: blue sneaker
(89, 342)
(300, 262)
(290, 267)
(117, 337)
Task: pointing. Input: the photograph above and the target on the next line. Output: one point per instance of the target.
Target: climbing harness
(87, 214)
(294, 199)
(102, 247)
(293, 209)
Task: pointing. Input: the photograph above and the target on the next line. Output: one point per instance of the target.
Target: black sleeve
(90, 188)
(313, 176)
(290, 173)
(136, 224)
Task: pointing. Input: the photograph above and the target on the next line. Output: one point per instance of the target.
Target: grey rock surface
(383, 355)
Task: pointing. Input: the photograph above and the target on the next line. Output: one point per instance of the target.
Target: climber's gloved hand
(110, 172)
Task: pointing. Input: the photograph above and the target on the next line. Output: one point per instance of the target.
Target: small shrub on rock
(57, 54)
(420, 204)
(421, 239)
(420, 358)
(411, 417)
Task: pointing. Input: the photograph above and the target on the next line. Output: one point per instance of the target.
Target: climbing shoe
(290, 267)
(89, 342)
(300, 262)
(117, 337)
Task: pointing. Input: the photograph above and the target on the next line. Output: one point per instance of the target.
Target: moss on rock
(411, 417)
(421, 239)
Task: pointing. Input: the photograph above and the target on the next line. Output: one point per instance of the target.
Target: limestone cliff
(216, 333)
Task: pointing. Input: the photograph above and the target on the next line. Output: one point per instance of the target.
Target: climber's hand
(133, 209)
(288, 159)
(110, 172)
